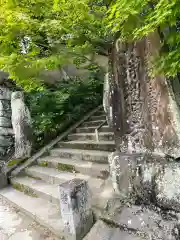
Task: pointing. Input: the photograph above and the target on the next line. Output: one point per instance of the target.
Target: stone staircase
(35, 190)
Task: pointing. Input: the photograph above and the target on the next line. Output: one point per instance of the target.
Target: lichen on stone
(66, 167)
(44, 164)
(14, 162)
(26, 190)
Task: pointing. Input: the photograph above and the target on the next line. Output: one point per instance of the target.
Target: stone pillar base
(76, 209)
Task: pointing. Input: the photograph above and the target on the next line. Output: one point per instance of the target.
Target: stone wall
(6, 139)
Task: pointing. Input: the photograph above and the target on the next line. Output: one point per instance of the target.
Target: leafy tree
(136, 19)
(44, 34)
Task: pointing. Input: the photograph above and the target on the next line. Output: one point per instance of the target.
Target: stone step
(40, 210)
(92, 169)
(103, 136)
(95, 123)
(104, 128)
(89, 145)
(98, 117)
(53, 176)
(99, 112)
(85, 155)
(37, 188)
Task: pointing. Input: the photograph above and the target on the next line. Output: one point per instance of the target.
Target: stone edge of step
(38, 209)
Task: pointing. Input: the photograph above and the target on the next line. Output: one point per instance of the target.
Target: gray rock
(21, 122)
(5, 93)
(145, 222)
(6, 131)
(5, 122)
(122, 171)
(5, 141)
(167, 187)
(103, 231)
(5, 106)
(135, 173)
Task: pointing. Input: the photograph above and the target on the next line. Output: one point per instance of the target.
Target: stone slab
(54, 176)
(145, 221)
(85, 167)
(167, 187)
(92, 129)
(85, 155)
(100, 117)
(89, 145)
(103, 136)
(16, 226)
(40, 210)
(39, 188)
(102, 231)
(93, 123)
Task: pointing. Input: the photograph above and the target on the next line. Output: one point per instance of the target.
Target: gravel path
(15, 226)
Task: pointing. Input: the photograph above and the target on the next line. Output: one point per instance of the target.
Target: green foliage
(136, 19)
(53, 32)
(58, 107)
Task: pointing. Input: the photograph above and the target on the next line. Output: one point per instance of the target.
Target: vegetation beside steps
(35, 190)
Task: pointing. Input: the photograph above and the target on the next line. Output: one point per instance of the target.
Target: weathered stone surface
(75, 208)
(5, 141)
(167, 187)
(5, 93)
(5, 106)
(5, 109)
(103, 231)
(123, 171)
(145, 222)
(135, 173)
(5, 122)
(6, 131)
(148, 107)
(148, 178)
(21, 122)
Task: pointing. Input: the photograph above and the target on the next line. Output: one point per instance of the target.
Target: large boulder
(148, 178)
(145, 222)
(167, 187)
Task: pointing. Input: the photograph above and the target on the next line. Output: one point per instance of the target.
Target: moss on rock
(26, 190)
(43, 164)
(66, 168)
(14, 162)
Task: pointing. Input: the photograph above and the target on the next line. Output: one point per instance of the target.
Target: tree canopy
(44, 34)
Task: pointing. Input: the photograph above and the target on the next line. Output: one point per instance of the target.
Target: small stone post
(75, 209)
